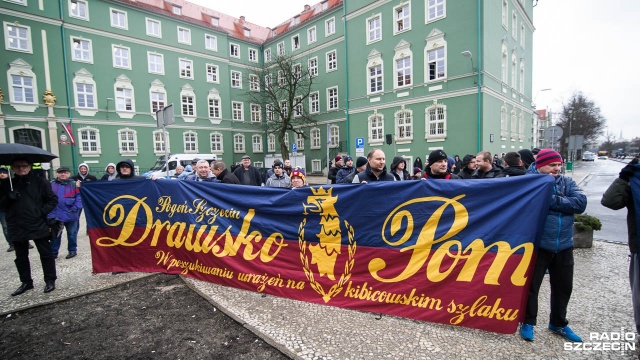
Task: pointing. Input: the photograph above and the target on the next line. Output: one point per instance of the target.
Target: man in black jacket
(26, 207)
(376, 169)
(513, 165)
(219, 169)
(485, 168)
(247, 173)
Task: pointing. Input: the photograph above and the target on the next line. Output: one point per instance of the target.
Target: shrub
(587, 222)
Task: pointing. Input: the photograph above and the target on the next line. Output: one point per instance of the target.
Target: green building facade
(426, 74)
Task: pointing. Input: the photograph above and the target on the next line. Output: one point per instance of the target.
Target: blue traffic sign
(294, 147)
(360, 143)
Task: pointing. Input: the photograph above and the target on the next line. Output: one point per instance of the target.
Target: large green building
(425, 74)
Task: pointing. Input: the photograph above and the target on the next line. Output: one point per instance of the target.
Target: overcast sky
(578, 45)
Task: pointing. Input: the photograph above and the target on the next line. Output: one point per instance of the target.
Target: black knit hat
(361, 161)
(437, 155)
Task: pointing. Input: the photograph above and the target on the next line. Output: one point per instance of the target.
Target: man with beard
(468, 167)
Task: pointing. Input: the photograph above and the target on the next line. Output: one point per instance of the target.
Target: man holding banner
(555, 253)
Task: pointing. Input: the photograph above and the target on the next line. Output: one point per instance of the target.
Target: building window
(376, 128)
(375, 78)
(522, 33)
(286, 140)
(215, 139)
(238, 143)
(154, 28)
(215, 111)
(300, 141)
(85, 96)
(121, 57)
(215, 21)
(295, 42)
(23, 87)
(281, 79)
(128, 142)
(334, 136)
(313, 67)
(184, 35)
(236, 79)
(234, 50)
(81, 50)
(118, 19)
(514, 125)
(284, 110)
(374, 28)
(124, 99)
(79, 9)
(311, 35)
(256, 113)
(89, 141)
(159, 141)
(514, 25)
(254, 82)
(186, 68)
(212, 73)
(268, 81)
(188, 104)
(402, 17)
(514, 73)
(297, 71)
(403, 72)
(316, 165)
(404, 125)
(177, 10)
(155, 63)
(256, 141)
(332, 61)
(269, 112)
(435, 10)
(281, 50)
(271, 143)
(158, 101)
(297, 107)
(435, 64)
(253, 55)
(504, 64)
(332, 98)
(521, 77)
(237, 111)
(190, 140)
(314, 102)
(329, 27)
(210, 42)
(436, 122)
(314, 134)
(17, 37)
(267, 55)
(503, 123)
(505, 11)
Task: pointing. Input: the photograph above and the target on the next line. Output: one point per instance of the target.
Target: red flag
(69, 131)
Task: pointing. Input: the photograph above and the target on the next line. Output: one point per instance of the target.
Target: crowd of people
(34, 209)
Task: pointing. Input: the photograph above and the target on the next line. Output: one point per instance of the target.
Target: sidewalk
(600, 304)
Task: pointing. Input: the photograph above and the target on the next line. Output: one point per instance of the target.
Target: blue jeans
(3, 223)
(72, 238)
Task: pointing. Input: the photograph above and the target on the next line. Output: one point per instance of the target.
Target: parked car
(602, 157)
(588, 157)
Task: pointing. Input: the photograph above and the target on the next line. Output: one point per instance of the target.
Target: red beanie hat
(546, 157)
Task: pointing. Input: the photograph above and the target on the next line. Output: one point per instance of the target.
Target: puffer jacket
(566, 201)
(69, 201)
(617, 196)
(279, 181)
(26, 214)
(369, 176)
(343, 173)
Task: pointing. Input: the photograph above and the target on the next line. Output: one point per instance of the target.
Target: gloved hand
(627, 172)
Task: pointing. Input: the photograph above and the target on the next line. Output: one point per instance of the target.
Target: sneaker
(526, 332)
(565, 332)
(10, 249)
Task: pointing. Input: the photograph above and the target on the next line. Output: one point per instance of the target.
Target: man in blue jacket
(555, 253)
(67, 211)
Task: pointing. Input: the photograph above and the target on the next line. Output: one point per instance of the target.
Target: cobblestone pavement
(600, 304)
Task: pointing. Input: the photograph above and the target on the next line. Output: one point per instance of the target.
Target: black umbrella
(32, 154)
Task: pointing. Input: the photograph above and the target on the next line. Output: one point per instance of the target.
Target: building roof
(542, 114)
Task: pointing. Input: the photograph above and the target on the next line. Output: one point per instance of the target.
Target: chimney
(241, 19)
(307, 8)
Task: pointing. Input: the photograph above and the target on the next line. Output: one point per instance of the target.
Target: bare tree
(282, 88)
(580, 116)
(609, 143)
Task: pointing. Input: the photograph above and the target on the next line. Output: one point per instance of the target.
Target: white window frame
(129, 144)
(514, 25)
(234, 50)
(332, 60)
(375, 124)
(157, 97)
(269, 112)
(329, 27)
(297, 107)
(313, 66)
(514, 70)
(8, 39)
(22, 69)
(268, 81)
(256, 143)
(403, 118)
(281, 50)
(505, 12)
(401, 18)
(210, 42)
(236, 79)
(88, 138)
(316, 165)
(253, 55)
(504, 64)
(333, 99)
(374, 34)
(120, 59)
(314, 102)
(159, 143)
(254, 82)
(374, 60)
(185, 68)
(176, 9)
(440, 114)
(121, 22)
(154, 67)
(267, 55)
(522, 34)
(256, 113)
(187, 104)
(439, 8)
(215, 21)
(375, 80)
(284, 109)
(504, 131)
(124, 98)
(316, 136)
(403, 51)
(521, 127)
(213, 73)
(214, 104)
(296, 44)
(158, 27)
(83, 77)
(238, 144)
(85, 48)
(81, 8)
(300, 141)
(334, 136)
(237, 111)
(184, 35)
(312, 35)
(190, 142)
(513, 125)
(282, 80)
(435, 43)
(271, 143)
(216, 142)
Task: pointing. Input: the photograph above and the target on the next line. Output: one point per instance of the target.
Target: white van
(160, 168)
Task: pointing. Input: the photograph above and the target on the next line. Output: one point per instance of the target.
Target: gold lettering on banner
(451, 249)
(250, 244)
(479, 309)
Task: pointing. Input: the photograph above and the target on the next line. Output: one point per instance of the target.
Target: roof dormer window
(215, 21)
(177, 9)
(247, 33)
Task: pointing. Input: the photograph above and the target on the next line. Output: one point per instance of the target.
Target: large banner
(455, 252)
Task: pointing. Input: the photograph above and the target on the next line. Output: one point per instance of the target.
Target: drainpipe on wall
(479, 75)
(346, 59)
(66, 80)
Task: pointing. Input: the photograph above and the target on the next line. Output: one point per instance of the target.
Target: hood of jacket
(396, 161)
(88, 170)
(128, 162)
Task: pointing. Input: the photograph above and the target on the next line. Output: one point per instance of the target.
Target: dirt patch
(156, 317)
